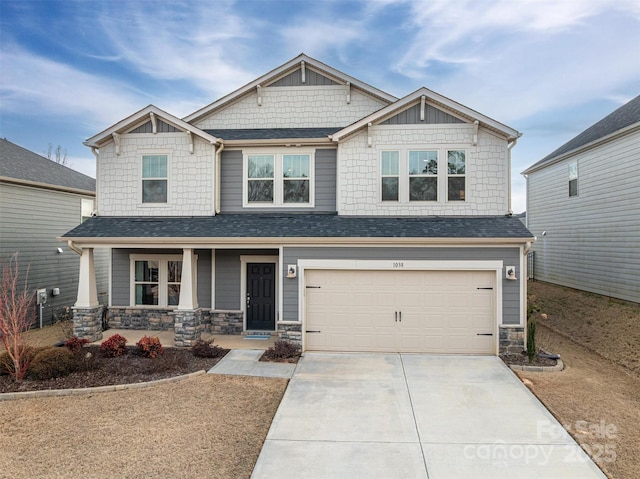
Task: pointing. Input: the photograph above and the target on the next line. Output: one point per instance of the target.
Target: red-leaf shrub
(283, 350)
(74, 344)
(149, 347)
(116, 345)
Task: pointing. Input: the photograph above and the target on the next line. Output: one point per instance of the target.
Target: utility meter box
(41, 296)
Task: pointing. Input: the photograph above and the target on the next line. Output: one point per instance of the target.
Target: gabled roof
(437, 100)
(282, 70)
(129, 122)
(279, 227)
(624, 117)
(27, 167)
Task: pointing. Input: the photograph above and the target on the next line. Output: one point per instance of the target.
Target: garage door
(451, 312)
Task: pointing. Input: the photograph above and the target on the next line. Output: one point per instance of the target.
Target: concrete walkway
(245, 362)
(415, 416)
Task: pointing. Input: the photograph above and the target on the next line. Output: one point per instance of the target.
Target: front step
(259, 333)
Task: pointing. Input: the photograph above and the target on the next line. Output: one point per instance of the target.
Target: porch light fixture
(511, 273)
(292, 271)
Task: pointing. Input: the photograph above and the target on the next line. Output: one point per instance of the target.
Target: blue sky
(548, 68)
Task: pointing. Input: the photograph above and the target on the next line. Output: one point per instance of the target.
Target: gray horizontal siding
(411, 116)
(510, 256)
(30, 221)
(161, 127)
(231, 184)
(312, 78)
(591, 240)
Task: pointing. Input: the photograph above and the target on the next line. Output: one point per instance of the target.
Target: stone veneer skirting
(87, 323)
(511, 339)
(223, 322)
(291, 332)
(136, 318)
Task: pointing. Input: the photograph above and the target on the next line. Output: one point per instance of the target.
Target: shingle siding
(591, 240)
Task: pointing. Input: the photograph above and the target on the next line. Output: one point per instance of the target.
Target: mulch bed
(523, 360)
(126, 369)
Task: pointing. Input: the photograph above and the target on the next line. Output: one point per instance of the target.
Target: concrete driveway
(414, 416)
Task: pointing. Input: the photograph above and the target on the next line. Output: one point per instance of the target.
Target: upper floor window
(456, 170)
(86, 209)
(156, 280)
(154, 178)
(573, 178)
(414, 175)
(278, 179)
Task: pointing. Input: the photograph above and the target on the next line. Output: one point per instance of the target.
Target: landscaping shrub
(531, 339)
(171, 360)
(206, 349)
(115, 346)
(149, 347)
(6, 365)
(74, 344)
(52, 363)
(283, 350)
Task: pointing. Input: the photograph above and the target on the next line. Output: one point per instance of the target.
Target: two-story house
(310, 204)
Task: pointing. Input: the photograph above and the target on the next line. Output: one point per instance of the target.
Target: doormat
(257, 336)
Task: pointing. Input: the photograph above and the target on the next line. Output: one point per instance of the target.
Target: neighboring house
(583, 204)
(310, 204)
(39, 201)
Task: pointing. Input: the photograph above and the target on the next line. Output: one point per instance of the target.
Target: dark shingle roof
(626, 115)
(300, 226)
(272, 133)
(22, 164)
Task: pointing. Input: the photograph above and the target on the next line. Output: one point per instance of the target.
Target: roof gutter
(74, 248)
(46, 186)
(509, 148)
(280, 141)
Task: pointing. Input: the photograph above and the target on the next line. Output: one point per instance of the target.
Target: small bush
(283, 350)
(115, 346)
(168, 362)
(149, 347)
(74, 344)
(52, 363)
(6, 366)
(206, 349)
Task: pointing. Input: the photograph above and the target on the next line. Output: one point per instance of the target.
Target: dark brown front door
(261, 296)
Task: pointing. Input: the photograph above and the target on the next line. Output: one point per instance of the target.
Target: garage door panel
(442, 311)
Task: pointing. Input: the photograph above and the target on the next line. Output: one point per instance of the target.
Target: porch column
(87, 290)
(87, 313)
(188, 296)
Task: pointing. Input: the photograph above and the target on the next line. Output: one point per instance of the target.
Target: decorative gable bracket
(348, 92)
(154, 124)
(190, 139)
(475, 132)
(116, 140)
(259, 92)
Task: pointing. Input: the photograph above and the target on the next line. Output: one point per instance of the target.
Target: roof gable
(291, 72)
(624, 117)
(434, 99)
(135, 121)
(19, 163)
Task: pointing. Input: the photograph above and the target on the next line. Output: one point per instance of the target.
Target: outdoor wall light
(59, 250)
(510, 273)
(292, 271)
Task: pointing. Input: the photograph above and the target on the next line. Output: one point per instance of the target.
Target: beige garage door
(400, 311)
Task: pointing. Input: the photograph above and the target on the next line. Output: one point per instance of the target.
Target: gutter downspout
(509, 148)
(73, 247)
(96, 153)
(218, 180)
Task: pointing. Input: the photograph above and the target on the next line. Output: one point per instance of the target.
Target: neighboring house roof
(437, 100)
(143, 116)
(18, 163)
(300, 226)
(624, 117)
(272, 133)
(283, 70)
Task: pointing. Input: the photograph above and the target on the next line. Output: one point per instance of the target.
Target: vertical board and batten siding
(592, 239)
(30, 221)
(121, 278)
(228, 276)
(231, 182)
(510, 256)
(161, 127)
(411, 116)
(312, 78)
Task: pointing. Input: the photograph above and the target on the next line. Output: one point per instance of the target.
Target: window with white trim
(154, 178)
(573, 178)
(279, 179)
(456, 171)
(86, 209)
(155, 280)
(423, 175)
(390, 173)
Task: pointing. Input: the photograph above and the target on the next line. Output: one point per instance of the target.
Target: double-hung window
(573, 178)
(155, 280)
(154, 178)
(390, 175)
(456, 171)
(279, 179)
(423, 175)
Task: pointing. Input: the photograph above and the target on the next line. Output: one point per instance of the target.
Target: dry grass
(207, 427)
(600, 383)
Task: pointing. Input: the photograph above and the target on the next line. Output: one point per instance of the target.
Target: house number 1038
(398, 264)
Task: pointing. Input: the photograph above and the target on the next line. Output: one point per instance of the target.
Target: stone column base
(187, 326)
(291, 332)
(511, 339)
(87, 323)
